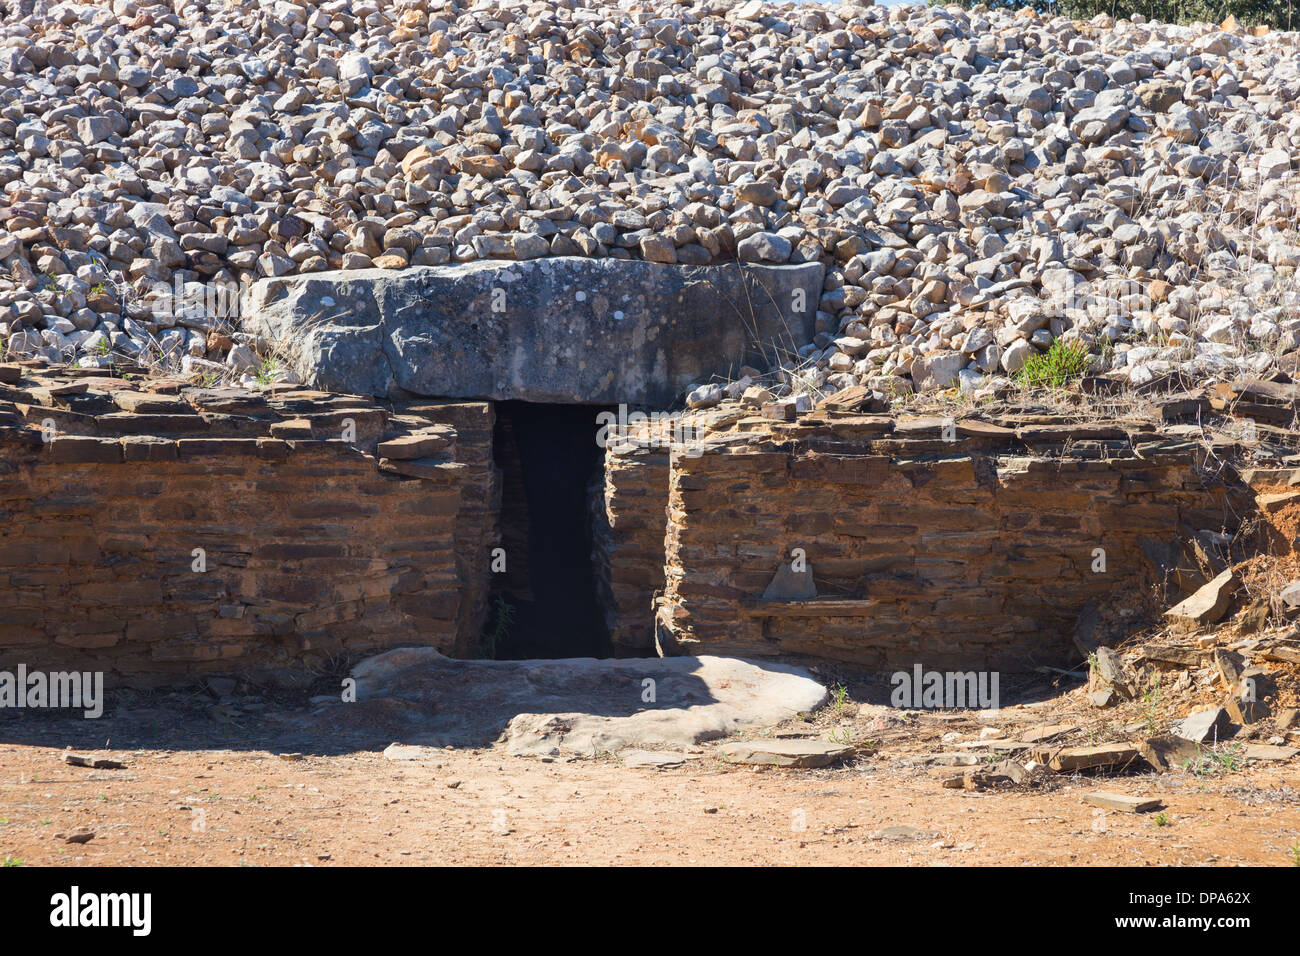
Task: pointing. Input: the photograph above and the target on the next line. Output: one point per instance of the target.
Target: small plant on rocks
(1063, 363)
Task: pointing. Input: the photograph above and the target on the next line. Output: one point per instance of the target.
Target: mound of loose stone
(979, 184)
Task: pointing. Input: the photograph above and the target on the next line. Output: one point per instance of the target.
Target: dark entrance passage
(545, 605)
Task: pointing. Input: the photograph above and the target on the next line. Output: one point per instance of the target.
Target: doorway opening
(544, 605)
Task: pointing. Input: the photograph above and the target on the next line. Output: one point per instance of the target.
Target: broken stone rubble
(979, 184)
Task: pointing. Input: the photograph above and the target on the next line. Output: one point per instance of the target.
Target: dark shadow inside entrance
(544, 604)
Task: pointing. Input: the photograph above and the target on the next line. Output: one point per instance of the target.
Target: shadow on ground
(417, 696)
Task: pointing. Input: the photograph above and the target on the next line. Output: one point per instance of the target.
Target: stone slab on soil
(1071, 759)
(901, 834)
(784, 753)
(1169, 752)
(574, 706)
(98, 763)
(406, 753)
(1268, 752)
(942, 760)
(656, 759)
(1121, 801)
(564, 329)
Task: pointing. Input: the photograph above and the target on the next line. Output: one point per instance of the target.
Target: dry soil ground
(250, 781)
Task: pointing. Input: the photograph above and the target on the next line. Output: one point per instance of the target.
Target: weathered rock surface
(656, 759)
(577, 706)
(1206, 725)
(1122, 802)
(1207, 605)
(565, 329)
(1072, 759)
(784, 753)
(1169, 752)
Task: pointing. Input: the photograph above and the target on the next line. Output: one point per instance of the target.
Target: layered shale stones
(963, 543)
(155, 530)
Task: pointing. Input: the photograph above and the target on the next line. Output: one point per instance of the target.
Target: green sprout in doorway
(502, 619)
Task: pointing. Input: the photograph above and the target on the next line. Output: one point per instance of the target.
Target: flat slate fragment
(410, 447)
(901, 834)
(98, 763)
(655, 759)
(1121, 801)
(1178, 656)
(942, 760)
(784, 753)
(1268, 752)
(1087, 758)
(411, 753)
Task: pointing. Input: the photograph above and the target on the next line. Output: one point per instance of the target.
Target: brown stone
(273, 449)
(409, 447)
(1182, 657)
(1276, 502)
(149, 403)
(95, 763)
(1268, 752)
(226, 401)
(292, 428)
(213, 447)
(848, 400)
(1229, 665)
(68, 449)
(1070, 759)
(1287, 654)
(1245, 711)
(378, 560)
(1166, 753)
(148, 448)
(1050, 732)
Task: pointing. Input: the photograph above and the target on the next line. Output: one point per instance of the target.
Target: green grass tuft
(1057, 367)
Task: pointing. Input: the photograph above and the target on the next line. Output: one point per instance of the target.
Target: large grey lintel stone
(565, 329)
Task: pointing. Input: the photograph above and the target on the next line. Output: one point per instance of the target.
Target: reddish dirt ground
(185, 804)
